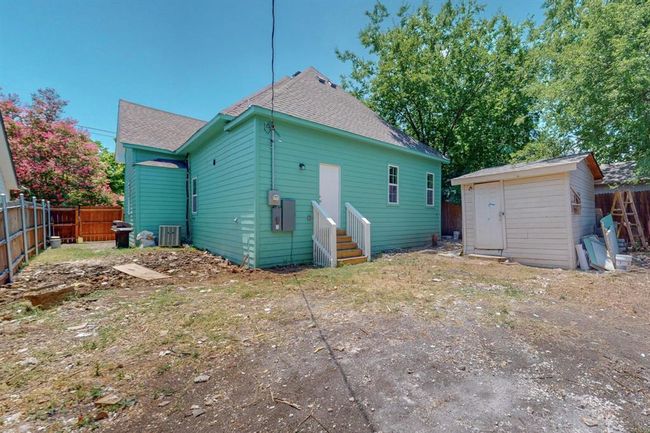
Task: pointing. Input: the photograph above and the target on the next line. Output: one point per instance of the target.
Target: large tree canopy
(594, 79)
(53, 158)
(485, 91)
(454, 80)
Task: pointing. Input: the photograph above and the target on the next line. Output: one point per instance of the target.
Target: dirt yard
(422, 341)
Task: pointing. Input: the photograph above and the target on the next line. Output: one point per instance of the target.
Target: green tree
(114, 170)
(594, 81)
(454, 80)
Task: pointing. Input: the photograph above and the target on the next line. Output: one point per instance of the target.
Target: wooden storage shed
(533, 213)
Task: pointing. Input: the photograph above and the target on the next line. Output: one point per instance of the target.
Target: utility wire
(272, 62)
(96, 129)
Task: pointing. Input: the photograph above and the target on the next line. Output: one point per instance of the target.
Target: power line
(97, 129)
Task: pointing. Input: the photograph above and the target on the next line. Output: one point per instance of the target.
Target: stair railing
(323, 237)
(358, 227)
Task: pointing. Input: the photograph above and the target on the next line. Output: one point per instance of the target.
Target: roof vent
(321, 79)
(332, 85)
(295, 74)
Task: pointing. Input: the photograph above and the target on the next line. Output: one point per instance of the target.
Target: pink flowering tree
(54, 159)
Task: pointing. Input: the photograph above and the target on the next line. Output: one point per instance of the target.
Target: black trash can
(122, 231)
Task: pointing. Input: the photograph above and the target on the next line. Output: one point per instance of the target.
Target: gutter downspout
(188, 226)
(272, 156)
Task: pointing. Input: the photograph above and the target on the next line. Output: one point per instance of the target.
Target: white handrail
(324, 237)
(358, 227)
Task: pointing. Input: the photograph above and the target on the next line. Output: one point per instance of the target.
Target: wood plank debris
(138, 271)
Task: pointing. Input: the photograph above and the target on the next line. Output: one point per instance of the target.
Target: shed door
(330, 190)
(488, 202)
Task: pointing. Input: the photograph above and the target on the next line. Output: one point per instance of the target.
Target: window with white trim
(393, 184)
(195, 196)
(430, 184)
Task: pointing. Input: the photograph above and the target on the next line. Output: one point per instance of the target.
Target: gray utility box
(284, 216)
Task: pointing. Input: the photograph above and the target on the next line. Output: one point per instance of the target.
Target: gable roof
(8, 179)
(620, 173)
(529, 169)
(158, 129)
(310, 95)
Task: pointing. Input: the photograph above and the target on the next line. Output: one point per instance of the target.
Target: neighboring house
(621, 175)
(534, 213)
(240, 197)
(8, 180)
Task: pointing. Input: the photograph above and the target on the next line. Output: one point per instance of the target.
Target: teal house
(307, 175)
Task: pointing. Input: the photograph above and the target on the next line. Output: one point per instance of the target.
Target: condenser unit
(169, 236)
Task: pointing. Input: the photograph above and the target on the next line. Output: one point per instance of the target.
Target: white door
(488, 203)
(330, 190)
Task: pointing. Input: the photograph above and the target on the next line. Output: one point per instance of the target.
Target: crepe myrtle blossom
(53, 157)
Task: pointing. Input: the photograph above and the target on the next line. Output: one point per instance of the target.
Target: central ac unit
(169, 236)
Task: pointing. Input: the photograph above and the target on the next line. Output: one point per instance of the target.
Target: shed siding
(225, 221)
(536, 218)
(364, 184)
(582, 180)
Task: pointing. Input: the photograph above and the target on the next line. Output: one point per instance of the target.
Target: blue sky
(191, 57)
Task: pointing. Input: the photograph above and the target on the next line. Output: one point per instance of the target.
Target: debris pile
(45, 284)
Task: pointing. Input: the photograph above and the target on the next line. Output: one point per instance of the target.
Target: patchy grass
(76, 252)
(138, 334)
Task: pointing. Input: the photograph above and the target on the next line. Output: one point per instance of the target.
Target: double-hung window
(393, 184)
(195, 196)
(430, 189)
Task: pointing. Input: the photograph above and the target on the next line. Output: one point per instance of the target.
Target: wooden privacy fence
(91, 223)
(642, 202)
(452, 218)
(24, 231)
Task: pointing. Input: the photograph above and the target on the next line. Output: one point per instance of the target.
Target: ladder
(623, 207)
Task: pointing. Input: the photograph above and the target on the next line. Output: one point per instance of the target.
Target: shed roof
(529, 169)
(146, 126)
(621, 173)
(163, 163)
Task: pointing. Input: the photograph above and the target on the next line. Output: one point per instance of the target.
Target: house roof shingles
(310, 95)
(621, 173)
(307, 95)
(155, 128)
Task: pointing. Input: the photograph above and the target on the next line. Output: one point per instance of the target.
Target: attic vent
(321, 79)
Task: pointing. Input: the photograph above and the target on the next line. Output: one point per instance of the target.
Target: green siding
(364, 184)
(233, 218)
(153, 196)
(225, 221)
(161, 198)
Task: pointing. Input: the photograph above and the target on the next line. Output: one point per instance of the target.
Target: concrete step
(351, 260)
(344, 239)
(346, 245)
(486, 257)
(343, 254)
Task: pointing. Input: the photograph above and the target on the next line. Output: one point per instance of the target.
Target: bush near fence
(24, 232)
